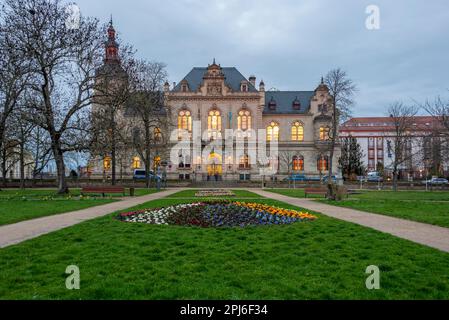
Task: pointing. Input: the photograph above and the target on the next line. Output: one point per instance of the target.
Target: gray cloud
(290, 44)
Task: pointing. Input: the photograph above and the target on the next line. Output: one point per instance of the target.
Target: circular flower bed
(217, 214)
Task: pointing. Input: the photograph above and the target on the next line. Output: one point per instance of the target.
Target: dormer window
(272, 104)
(244, 87)
(296, 104)
(184, 86)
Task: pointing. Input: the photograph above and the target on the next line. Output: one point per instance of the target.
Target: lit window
(323, 163)
(324, 133)
(244, 162)
(136, 163)
(107, 163)
(298, 163)
(297, 131)
(185, 120)
(157, 134)
(244, 120)
(214, 124)
(273, 132)
(156, 162)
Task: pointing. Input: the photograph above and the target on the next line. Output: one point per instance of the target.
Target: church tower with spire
(111, 46)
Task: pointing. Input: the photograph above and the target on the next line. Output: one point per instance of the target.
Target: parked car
(334, 178)
(142, 175)
(436, 182)
(374, 177)
(296, 177)
(301, 178)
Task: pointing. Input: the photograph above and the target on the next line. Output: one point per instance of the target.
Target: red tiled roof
(386, 124)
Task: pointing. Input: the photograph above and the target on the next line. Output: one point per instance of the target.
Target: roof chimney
(252, 79)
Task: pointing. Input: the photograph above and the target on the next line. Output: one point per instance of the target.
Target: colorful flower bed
(214, 193)
(218, 214)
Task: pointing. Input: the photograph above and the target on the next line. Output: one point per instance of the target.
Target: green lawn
(427, 207)
(19, 205)
(13, 211)
(7, 194)
(324, 259)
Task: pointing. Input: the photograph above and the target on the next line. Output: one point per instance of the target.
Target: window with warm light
(244, 120)
(244, 162)
(107, 163)
(185, 120)
(136, 163)
(323, 163)
(157, 134)
(273, 132)
(214, 124)
(156, 161)
(297, 131)
(298, 163)
(324, 133)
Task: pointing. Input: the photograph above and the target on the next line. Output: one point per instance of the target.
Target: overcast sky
(291, 43)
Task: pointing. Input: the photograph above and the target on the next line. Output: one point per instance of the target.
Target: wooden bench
(103, 190)
(319, 191)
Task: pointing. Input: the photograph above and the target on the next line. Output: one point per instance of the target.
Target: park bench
(319, 191)
(103, 190)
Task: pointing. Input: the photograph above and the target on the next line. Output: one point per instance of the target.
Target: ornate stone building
(222, 99)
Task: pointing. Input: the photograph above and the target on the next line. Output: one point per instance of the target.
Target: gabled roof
(233, 78)
(284, 101)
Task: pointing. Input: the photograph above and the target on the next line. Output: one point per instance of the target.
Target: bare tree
(13, 71)
(286, 159)
(147, 105)
(341, 90)
(64, 61)
(39, 147)
(400, 147)
(439, 110)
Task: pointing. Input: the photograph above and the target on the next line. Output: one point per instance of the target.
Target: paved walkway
(22, 231)
(429, 235)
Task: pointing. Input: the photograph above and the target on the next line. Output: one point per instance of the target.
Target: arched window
(157, 134)
(323, 163)
(185, 120)
(156, 162)
(273, 132)
(136, 163)
(297, 131)
(298, 163)
(324, 133)
(107, 163)
(244, 120)
(214, 124)
(244, 162)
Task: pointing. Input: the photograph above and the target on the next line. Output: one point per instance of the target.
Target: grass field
(427, 207)
(20, 205)
(324, 259)
(10, 194)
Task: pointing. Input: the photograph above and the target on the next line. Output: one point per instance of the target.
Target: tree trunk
(60, 167)
(330, 181)
(22, 166)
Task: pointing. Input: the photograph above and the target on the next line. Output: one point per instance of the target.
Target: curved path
(22, 231)
(426, 234)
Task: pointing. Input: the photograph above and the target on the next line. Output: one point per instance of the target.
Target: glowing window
(324, 133)
(185, 120)
(244, 120)
(273, 132)
(136, 163)
(298, 163)
(297, 131)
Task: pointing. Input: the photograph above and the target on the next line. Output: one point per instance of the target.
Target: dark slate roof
(233, 78)
(284, 101)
